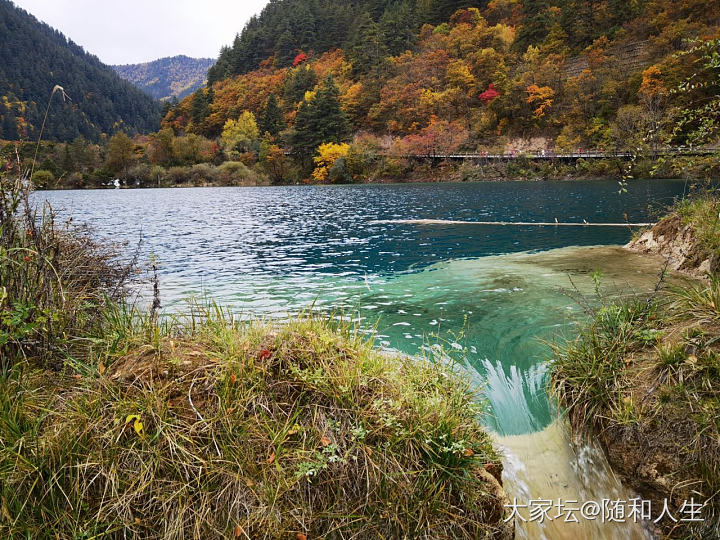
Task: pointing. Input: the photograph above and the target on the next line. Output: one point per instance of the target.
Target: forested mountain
(370, 27)
(168, 78)
(352, 91)
(449, 74)
(34, 58)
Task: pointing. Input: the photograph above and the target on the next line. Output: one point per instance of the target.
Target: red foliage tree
(489, 95)
(299, 59)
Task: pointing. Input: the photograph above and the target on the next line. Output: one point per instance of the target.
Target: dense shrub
(54, 280)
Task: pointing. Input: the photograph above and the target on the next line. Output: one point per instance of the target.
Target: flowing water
(492, 295)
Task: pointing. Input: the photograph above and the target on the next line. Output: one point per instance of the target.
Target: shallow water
(489, 294)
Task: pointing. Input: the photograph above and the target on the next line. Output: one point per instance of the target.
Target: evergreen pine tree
(68, 163)
(367, 46)
(303, 137)
(9, 126)
(579, 18)
(301, 80)
(303, 26)
(35, 57)
(272, 120)
(439, 11)
(397, 27)
(535, 25)
(320, 120)
(285, 49)
(333, 124)
(200, 107)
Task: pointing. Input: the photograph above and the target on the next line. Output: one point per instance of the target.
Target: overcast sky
(134, 31)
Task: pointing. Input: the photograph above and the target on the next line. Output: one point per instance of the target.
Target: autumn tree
(240, 135)
(489, 95)
(327, 156)
(273, 160)
(193, 148)
(161, 147)
(540, 97)
(653, 96)
(437, 138)
(120, 153)
(629, 128)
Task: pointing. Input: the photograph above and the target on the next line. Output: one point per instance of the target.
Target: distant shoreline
(383, 182)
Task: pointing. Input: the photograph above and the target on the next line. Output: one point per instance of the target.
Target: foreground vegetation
(644, 378)
(702, 214)
(116, 422)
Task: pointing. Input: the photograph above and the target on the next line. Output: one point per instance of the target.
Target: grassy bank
(644, 378)
(119, 423)
(702, 215)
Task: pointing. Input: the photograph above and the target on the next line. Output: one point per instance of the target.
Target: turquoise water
(489, 295)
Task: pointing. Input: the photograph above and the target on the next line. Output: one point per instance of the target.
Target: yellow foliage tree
(542, 97)
(652, 84)
(240, 134)
(328, 154)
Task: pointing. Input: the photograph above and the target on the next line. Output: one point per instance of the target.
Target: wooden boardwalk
(552, 156)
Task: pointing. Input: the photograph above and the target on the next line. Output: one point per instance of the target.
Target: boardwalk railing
(545, 155)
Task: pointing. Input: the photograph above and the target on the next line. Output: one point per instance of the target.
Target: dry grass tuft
(213, 428)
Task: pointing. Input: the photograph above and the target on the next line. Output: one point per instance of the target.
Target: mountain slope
(511, 75)
(166, 78)
(34, 58)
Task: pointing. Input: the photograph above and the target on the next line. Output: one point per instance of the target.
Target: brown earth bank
(675, 239)
(643, 378)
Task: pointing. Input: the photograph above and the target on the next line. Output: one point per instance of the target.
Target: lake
(490, 296)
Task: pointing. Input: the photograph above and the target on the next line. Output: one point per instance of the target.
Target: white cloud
(132, 31)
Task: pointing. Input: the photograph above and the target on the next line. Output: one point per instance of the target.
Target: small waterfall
(541, 463)
(517, 397)
(546, 465)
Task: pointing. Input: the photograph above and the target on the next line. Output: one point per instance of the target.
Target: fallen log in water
(504, 223)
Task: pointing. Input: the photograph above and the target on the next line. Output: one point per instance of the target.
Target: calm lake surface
(490, 294)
